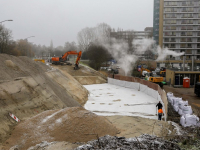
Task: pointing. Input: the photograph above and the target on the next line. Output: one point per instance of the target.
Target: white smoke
(163, 53)
(119, 49)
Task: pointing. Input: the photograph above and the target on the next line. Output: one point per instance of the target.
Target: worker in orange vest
(160, 113)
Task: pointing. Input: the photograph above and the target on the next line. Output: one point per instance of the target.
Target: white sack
(170, 99)
(176, 100)
(175, 108)
(170, 94)
(182, 103)
(180, 112)
(187, 110)
(191, 120)
(182, 121)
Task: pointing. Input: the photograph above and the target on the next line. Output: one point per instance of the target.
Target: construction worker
(159, 105)
(160, 113)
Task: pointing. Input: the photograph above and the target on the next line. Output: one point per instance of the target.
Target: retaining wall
(149, 88)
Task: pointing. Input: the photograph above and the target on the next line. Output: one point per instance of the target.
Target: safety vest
(160, 111)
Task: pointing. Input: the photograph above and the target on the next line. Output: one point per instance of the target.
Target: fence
(147, 87)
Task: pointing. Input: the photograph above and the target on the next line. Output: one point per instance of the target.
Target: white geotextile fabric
(187, 110)
(189, 120)
(182, 103)
(144, 88)
(121, 83)
(128, 84)
(154, 93)
(111, 80)
(135, 85)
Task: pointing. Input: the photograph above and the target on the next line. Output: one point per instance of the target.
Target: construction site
(46, 107)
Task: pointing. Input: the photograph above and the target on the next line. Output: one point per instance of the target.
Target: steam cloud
(119, 49)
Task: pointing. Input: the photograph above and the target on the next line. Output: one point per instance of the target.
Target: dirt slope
(28, 88)
(84, 75)
(70, 124)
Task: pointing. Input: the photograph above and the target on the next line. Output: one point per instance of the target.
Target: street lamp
(6, 20)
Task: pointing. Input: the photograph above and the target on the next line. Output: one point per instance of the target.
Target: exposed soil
(84, 75)
(28, 88)
(135, 126)
(69, 124)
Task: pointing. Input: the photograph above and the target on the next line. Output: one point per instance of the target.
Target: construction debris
(144, 141)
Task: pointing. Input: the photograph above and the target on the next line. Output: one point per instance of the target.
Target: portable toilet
(186, 82)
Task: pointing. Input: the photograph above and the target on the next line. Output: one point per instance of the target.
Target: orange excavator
(63, 59)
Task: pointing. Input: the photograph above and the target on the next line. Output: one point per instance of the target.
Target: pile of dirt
(70, 124)
(28, 88)
(130, 126)
(142, 142)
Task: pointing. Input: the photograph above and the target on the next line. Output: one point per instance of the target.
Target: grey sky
(61, 20)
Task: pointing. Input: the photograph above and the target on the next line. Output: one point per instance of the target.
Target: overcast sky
(61, 20)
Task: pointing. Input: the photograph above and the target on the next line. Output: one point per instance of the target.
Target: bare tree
(97, 35)
(85, 37)
(5, 37)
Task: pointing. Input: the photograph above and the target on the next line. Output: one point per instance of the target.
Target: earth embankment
(28, 88)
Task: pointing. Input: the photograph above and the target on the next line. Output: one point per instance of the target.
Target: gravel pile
(144, 141)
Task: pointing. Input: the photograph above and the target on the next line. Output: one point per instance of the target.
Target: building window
(183, 34)
(183, 45)
(183, 28)
(166, 40)
(189, 39)
(173, 28)
(189, 46)
(172, 46)
(173, 40)
(190, 28)
(189, 33)
(166, 45)
(183, 39)
(184, 4)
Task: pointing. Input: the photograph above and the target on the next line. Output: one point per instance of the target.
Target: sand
(70, 124)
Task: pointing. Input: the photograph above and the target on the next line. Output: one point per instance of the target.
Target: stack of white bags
(185, 111)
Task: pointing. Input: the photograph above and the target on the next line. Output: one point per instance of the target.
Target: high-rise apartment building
(156, 20)
(179, 26)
